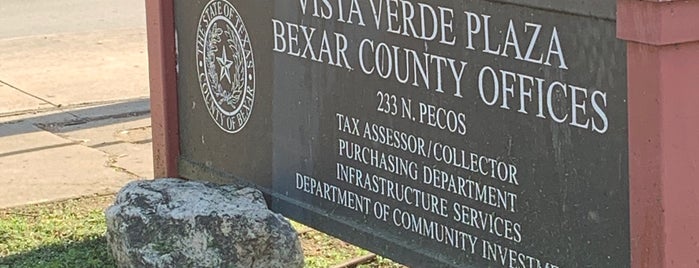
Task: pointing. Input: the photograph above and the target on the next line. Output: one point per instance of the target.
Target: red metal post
(163, 86)
(663, 82)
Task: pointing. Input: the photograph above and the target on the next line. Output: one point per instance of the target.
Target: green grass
(63, 234)
(71, 234)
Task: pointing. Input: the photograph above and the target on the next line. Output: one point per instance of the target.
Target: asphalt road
(23, 18)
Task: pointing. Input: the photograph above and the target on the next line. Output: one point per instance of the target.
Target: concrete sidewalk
(74, 114)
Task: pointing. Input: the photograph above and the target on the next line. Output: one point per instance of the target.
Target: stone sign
(463, 133)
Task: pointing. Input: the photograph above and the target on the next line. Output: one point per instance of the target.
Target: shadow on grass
(87, 253)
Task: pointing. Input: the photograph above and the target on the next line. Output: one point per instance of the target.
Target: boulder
(178, 223)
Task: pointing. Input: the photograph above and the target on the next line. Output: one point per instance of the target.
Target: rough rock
(178, 223)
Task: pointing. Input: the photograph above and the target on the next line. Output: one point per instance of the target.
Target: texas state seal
(225, 66)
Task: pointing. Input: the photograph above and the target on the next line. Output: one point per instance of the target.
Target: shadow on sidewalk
(124, 111)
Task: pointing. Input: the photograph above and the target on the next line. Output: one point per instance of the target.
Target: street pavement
(74, 107)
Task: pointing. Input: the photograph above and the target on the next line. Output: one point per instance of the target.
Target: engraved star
(225, 66)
